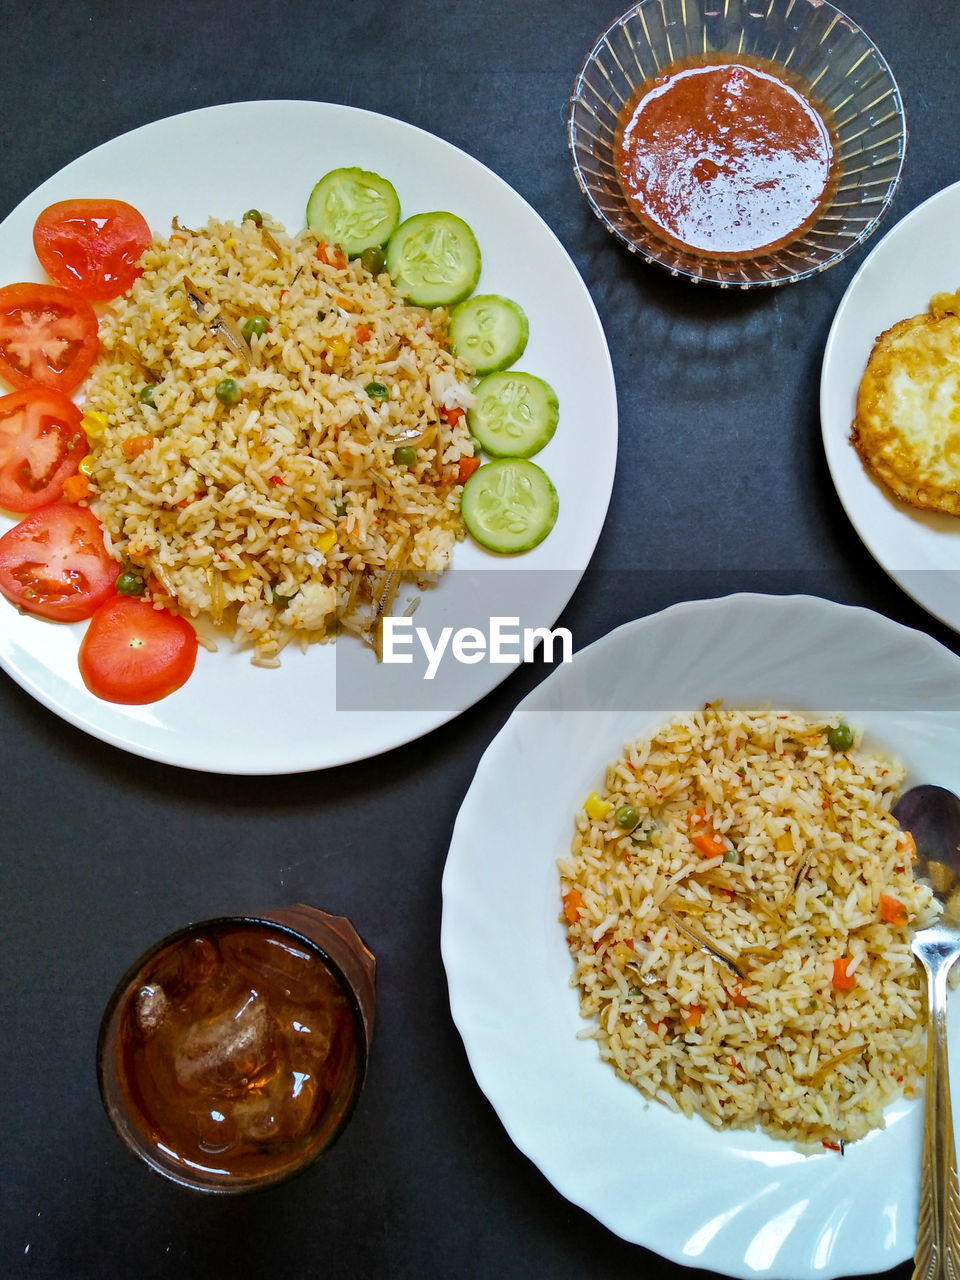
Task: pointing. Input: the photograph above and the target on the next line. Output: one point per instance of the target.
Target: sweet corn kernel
(94, 424)
(86, 465)
(784, 843)
(597, 808)
(327, 541)
(241, 574)
(338, 349)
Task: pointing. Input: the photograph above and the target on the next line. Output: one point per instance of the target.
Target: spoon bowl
(932, 816)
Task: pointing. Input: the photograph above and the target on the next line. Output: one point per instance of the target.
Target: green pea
(732, 856)
(254, 216)
(146, 395)
(404, 455)
(340, 509)
(377, 391)
(373, 260)
(840, 736)
(130, 584)
(254, 325)
(627, 817)
(228, 391)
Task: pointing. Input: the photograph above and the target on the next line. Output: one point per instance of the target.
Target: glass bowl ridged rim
(877, 146)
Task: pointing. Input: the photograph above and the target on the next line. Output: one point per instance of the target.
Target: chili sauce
(724, 158)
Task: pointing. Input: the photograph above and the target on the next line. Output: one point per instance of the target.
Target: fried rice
(739, 903)
(275, 507)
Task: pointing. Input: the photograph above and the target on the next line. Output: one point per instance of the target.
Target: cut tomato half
(47, 335)
(133, 653)
(41, 444)
(92, 246)
(53, 563)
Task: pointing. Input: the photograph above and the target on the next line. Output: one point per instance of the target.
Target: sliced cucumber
(489, 331)
(515, 414)
(353, 208)
(509, 505)
(434, 259)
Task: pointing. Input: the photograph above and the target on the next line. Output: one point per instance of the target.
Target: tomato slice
(133, 653)
(53, 563)
(47, 335)
(41, 444)
(92, 246)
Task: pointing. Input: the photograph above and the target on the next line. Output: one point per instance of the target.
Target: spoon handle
(938, 1230)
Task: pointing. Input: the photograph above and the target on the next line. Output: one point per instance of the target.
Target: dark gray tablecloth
(101, 852)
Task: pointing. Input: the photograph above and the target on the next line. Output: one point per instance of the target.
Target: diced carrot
(572, 905)
(697, 818)
(451, 416)
(737, 997)
(892, 910)
(843, 981)
(467, 467)
(363, 333)
(332, 255)
(907, 843)
(76, 487)
(709, 844)
(693, 1015)
(133, 446)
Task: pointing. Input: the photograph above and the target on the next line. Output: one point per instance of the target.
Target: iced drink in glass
(233, 1053)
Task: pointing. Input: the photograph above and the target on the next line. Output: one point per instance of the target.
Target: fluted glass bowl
(845, 73)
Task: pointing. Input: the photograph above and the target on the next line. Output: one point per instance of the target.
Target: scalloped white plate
(736, 1202)
(232, 717)
(919, 257)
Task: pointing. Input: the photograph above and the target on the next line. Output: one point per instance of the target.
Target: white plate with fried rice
(734, 1200)
(235, 717)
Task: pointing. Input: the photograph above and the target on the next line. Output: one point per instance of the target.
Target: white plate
(738, 1202)
(919, 257)
(232, 717)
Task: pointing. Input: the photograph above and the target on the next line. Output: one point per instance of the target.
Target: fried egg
(907, 427)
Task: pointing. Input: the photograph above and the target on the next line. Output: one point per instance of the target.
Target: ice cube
(231, 1052)
(216, 1132)
(185, 966)
(283, 1111)
(290, 968)
(150, 1007)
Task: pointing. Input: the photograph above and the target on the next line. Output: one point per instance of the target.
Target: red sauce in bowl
(724, 158)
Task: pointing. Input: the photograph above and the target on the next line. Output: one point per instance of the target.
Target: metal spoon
(932, 816)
